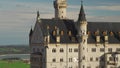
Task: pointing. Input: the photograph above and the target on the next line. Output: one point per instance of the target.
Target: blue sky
(17, 16)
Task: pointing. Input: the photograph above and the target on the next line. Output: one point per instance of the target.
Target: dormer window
(111, 33)
(119, 33)
(54, 33)
(105, 33)
(69, 33)
(106, 38)
(97, 39)
(58, 39)
(88, 33)
(62, 32)
(97, 32)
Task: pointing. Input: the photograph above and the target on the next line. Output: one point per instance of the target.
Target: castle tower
(82, 29)
(60, 9)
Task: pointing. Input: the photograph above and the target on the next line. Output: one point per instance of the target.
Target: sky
(18, 16)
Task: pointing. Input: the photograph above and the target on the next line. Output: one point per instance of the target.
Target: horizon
(17, 16)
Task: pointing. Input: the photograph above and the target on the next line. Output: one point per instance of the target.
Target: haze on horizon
(17, 16)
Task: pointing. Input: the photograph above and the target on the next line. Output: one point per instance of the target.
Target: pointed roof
(82, 13)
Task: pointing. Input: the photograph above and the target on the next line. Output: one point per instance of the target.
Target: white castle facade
(63, 43)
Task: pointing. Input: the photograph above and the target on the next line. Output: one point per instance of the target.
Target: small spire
(81, 2)
(38, 17)
(82, 13)
(38, 14)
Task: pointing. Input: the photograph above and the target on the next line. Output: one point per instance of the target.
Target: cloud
(110, 8)
(104, 7)
(103, 18)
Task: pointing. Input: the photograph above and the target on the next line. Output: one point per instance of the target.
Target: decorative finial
(38, 14)
(38, 17)
(81, 2)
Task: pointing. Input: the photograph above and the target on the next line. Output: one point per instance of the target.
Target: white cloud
(103, 7)
(103, 18)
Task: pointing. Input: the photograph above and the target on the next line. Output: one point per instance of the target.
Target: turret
(82, 31)
(60, 9)
(82, 23)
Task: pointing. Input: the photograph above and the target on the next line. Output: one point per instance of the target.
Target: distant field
(13, 64)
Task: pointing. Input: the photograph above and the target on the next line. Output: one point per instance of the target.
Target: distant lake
(22, 56)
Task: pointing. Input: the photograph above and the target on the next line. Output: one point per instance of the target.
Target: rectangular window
(117, 49)
(61, 60)
(88, 67)
(102, 49)
(61, 50)
(97, 59)
(93, 49)
(109, 49)
(91, 59)
(97, 66)
(70, 49)
(83, 57)
(76, 50)
(54, 60)
(111, 58)
(83, 66)
(53, 50)
(70, 59)
(70, 67)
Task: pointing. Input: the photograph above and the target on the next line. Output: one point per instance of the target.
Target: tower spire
(82, 13)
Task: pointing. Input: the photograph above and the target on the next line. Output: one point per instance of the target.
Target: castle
(65, 43)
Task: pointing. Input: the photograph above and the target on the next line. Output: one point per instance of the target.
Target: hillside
(21, 49)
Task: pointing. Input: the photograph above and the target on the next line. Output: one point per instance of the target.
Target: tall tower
(60, 9)
(82, 29)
